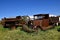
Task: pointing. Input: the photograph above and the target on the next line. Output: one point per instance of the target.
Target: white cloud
(31, 16)
(51, 15)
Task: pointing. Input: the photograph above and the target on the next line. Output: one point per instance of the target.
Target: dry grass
(51, 34)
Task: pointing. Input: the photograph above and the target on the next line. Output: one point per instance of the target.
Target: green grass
(17, 34)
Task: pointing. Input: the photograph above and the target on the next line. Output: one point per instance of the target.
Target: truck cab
(41, 21)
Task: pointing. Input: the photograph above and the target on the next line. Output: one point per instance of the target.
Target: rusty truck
(42, 21)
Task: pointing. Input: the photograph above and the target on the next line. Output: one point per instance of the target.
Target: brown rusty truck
(12, 22)
(43, 21)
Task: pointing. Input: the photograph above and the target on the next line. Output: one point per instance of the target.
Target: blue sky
(10, 8)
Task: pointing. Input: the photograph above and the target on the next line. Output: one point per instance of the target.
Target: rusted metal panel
(37, 22)
(45, 22)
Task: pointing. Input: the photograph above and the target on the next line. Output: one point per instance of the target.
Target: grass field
(17, 34)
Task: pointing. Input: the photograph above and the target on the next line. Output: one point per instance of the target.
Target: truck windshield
(39, 17)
